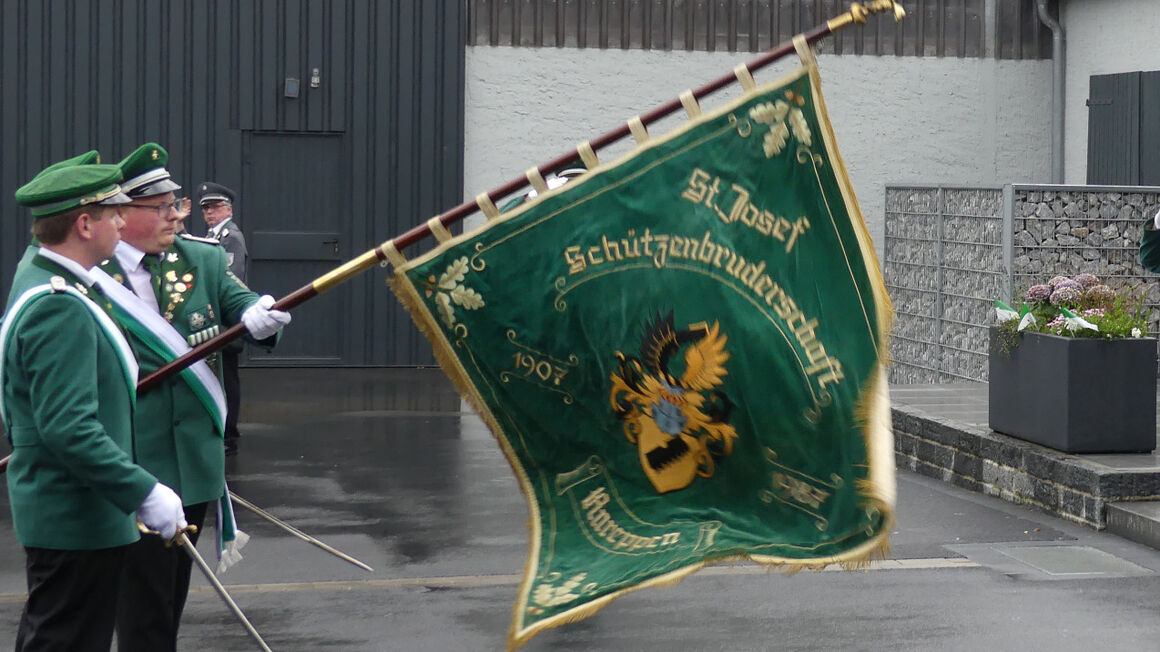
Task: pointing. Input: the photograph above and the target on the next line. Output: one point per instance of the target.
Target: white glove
(1156, 221)
(162, 511)
(263, 322)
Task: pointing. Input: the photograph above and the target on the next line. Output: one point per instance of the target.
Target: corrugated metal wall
(1124, 129)
(197, 75)
(952, 28)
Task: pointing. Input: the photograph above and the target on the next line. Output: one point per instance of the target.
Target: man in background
(217, 206)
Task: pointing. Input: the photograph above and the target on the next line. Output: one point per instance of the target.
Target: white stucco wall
(897, 119)
(1104, 37)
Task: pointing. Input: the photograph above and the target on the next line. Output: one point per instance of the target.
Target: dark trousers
(233, 387)
(154, 584)
(72, 599)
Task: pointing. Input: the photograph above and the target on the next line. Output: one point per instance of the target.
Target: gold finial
(878, 6)
(859, 11)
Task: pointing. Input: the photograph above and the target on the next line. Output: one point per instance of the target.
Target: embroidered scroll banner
(681, 354)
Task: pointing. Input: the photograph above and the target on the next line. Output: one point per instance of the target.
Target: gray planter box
(1077, 395)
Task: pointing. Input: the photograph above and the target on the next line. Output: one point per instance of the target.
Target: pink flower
(1099, 293)
(1039, 292)
(1065, 294)
(1087, 280)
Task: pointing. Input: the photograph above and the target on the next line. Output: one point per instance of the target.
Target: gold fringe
(407, 294)
(873, 407)
(875, 549)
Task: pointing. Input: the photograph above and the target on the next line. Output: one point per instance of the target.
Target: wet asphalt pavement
(386, 465)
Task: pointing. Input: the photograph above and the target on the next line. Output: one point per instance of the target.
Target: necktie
(152, 264)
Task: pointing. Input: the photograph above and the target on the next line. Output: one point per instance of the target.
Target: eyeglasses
(162, 209)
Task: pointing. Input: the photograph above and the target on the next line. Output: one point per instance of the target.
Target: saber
(298, 533)
(184, 542)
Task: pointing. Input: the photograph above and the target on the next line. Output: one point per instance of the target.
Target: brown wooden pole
(461, 211)
(856, 14)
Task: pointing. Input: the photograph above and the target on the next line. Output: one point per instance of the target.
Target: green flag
(681, 354)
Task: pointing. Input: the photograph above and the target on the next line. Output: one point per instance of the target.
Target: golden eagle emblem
(678, 423)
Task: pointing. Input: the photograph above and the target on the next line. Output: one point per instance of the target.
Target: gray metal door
(1149, 131)
(295, 213)
(1113, 129)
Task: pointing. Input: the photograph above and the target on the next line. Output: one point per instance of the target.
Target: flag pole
(857, 14)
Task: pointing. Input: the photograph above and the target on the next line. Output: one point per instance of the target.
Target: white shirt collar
(68, 263)
(220, 225)
(128, 256)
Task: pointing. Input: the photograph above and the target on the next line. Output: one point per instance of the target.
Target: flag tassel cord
(857, 14)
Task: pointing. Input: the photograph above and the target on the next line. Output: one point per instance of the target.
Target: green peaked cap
(64, 188)
(90, 157)
(144, 172)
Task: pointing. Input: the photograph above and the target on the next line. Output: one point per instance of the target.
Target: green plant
(1075, 307)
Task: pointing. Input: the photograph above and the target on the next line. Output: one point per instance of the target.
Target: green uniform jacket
(71, 480)
(178, 439)
(1150, 247)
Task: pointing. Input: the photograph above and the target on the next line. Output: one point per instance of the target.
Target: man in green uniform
(69, 380)
(179, 431)
(1150, 244)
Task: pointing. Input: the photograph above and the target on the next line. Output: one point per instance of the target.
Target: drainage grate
(1050, 562)
(1072, 560)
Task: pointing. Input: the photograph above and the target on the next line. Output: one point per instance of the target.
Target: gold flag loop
(438, 230)
(639, 133)
(486, 206)
(536, 180)
(392, 254)
(744, 77)
(588, 155)
(692, 107)
(805, 53)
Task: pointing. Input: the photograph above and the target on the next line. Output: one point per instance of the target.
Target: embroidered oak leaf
(449, 292)
(446, 312)
(770, 112)
(782, 118)
(547, 595)
(775, 140)
(801, 130)
(466, 297)
(455, 274)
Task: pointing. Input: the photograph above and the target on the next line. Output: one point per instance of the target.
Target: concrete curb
(987, 462)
